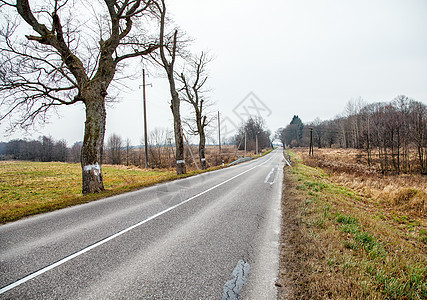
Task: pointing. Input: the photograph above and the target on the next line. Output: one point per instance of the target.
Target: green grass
(28, 188)
(355, 242)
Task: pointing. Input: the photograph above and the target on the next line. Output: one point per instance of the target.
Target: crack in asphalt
(233, 286)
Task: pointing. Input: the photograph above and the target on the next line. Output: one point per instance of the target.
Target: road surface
(212, 236)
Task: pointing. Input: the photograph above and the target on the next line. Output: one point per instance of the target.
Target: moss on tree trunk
(93, 143)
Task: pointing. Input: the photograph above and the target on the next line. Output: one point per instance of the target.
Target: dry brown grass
(163, 157)
(28, 188)
(343, 245)
(401, 193)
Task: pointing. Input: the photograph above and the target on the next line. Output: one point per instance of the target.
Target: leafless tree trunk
(318, 131)
(157, 142)
(114, 148)
(128, 149)
(93, 144)
(75, 152)
(419, 117)
(58, 65)
(168, 65)
(193, 93)
(396, 131)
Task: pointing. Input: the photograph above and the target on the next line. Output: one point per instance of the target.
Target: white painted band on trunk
(180, 161)
(203, 159)
(92, 167)
(112, 237)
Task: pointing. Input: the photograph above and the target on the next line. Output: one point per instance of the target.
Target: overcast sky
(303, 57)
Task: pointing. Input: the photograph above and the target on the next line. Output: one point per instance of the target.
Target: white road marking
(87, 249)
(275, 177)
(268, 176)
(266, 180)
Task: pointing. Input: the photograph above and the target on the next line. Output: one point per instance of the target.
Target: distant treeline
(117, 151)
(393, 134)
(253, 133)
(44, 149)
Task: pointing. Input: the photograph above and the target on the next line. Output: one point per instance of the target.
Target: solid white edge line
(87, 249)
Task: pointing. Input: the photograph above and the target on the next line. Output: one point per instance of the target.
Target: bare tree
(128, 150)
(318, 130)
(253, 130)
(157, 142)
(168, 54)
(114, 148)
(402, 104)
(67, 60)
(75, 152)
(352, 127)
(193, 92)
(397, 130)
(60, 151)
(419, 132)
(280, 134)
(47, 148)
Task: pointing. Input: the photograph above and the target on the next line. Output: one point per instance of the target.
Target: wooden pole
(145, 119)
(219, 133)
(310, 152)
(256, 144)
(245, 143)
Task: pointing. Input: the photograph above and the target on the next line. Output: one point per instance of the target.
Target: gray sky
(304, 57)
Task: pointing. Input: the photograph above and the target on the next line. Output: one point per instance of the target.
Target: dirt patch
(291, 241)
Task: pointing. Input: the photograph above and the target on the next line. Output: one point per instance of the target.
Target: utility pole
(256, 144)
(245, 143)
(219, 133)
(145, 119)
(310, 152)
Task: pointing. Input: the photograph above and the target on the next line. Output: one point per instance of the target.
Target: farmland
(28, 188)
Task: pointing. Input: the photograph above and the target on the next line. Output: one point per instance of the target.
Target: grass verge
(28, 188)
(337, 245)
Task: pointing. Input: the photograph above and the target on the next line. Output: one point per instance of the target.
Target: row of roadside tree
(53, 55)
(120, 151)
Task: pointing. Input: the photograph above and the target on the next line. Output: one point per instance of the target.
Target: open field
(344, 237)
(404, 194)
(27, 188)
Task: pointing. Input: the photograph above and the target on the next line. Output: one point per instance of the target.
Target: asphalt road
(212, 236)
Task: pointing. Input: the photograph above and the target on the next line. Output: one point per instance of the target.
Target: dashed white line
(87, 249)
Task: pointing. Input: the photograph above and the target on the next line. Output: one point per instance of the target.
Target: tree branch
(24, 10)
(147, 51)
